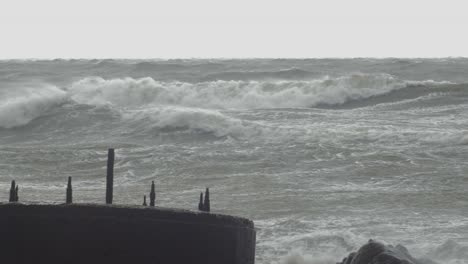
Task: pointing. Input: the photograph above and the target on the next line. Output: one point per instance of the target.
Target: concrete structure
(81, 233)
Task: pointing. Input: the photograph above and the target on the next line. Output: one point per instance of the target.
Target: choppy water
(321, 154)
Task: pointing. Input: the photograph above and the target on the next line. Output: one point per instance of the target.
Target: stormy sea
(323, 154)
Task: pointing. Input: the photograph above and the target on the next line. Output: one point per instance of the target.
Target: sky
(48, 29)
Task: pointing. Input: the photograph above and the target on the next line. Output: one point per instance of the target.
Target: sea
(322, 154)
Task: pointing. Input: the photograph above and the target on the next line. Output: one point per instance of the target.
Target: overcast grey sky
(232, 28)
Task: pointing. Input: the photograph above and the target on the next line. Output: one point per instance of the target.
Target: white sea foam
(196, 119)
(449, 252)
(129, 92)
(23, 105)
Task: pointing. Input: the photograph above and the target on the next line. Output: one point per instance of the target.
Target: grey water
(322, 154)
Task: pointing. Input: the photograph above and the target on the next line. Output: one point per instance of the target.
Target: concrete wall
(116, 234)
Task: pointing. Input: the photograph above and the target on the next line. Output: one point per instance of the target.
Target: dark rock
(377, 253)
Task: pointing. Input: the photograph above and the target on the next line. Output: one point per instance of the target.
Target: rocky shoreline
(377, 253)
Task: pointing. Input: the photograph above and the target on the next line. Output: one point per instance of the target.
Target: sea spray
(26, 104)
(129, 92)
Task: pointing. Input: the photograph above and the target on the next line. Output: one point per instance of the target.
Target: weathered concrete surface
(377, 253)
(80, 233)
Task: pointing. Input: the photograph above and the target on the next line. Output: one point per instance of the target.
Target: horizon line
(225, 58)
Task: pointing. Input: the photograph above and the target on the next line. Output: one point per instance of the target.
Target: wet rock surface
(377, 253)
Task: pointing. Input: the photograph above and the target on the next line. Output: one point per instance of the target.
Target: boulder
(377, 253)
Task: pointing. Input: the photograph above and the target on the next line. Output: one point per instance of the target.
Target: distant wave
(172, 119)
(129, 92)
(148, 66)
(29, 103)
(288, 74)
(24, 105)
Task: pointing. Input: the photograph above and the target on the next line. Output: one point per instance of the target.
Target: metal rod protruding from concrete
(110, 176)
(152, 194)
(206, 204)
(200, 203)
(12, 191)
(69, 191)
(16, 193)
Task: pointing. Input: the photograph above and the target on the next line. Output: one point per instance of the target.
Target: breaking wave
(27, 104)
(128, 94)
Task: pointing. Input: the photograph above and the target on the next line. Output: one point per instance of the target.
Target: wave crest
(21, 105)
(27, 104)
(199, 120)
(130, 92)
